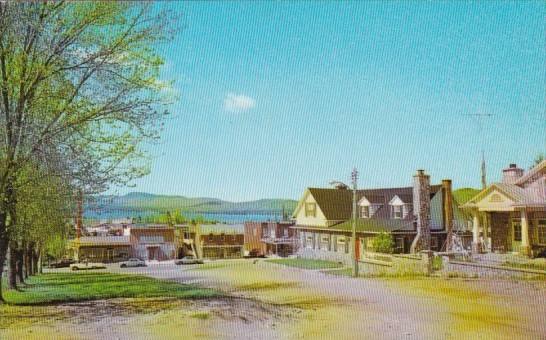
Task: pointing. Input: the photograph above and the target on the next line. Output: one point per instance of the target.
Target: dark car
(254, 253)
(65, 263)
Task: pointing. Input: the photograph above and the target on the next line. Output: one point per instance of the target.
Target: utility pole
(354, 178)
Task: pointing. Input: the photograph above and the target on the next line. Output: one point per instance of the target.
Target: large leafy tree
(79, 94)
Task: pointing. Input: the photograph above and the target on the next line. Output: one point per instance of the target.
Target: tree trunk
(20, 260)
(40, 264)
(28, 261)
(12, 270)
(3, 250)
(34, 262)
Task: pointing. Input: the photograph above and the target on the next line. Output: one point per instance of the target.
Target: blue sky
(276, 96)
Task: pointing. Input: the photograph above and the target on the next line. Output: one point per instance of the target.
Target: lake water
(235, 218)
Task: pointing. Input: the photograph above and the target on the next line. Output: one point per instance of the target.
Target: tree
(79, 94)
(383, 243)
(540, 157)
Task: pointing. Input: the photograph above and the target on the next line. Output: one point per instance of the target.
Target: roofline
(532, 172)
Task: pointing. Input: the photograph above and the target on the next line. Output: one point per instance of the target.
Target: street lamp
(354, 178)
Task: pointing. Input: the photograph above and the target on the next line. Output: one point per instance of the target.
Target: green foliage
(540, 157)
(383, 243)
(56, 247)
(437, 263)
(71, 287)
(464, 195)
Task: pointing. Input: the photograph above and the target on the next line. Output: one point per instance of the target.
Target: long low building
(147, 242)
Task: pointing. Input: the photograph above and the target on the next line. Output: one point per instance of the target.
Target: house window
(397, 211)
(285, 232)
(310, 209)
(365, 211)
(211, 237)
(223, 238)
(541, 231)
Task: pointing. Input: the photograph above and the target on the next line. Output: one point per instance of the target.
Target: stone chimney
(447, 211)
(511, 174)
(421, 210)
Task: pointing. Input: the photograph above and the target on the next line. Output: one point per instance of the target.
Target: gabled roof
(514, 192)
(336, 204)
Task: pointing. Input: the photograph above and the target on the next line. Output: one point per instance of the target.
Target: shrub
(383, 243)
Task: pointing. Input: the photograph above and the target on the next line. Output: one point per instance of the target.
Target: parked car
(189, 260)
(87, 266)
(134, 262)
(64, 263)
(254, 253)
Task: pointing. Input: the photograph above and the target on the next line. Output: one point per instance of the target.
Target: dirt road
(270, 301)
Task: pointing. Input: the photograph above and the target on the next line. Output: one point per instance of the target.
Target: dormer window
(365, 211)
(399, 209)
(364, 205)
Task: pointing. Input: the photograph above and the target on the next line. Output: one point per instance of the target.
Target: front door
(516, 236)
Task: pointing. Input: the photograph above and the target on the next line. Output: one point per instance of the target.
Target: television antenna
(481, 117)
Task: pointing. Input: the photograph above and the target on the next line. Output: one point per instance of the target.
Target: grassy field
(72, 287)
(307, 263)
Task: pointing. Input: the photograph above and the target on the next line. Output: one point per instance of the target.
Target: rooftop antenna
(481, 117)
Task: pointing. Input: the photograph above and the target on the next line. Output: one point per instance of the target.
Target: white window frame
(400, 211)
(365, 211)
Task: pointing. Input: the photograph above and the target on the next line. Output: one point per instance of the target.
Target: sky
(274, 97)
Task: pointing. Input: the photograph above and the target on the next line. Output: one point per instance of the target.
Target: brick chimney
(447, 211)
(421, 210)
(511, 174)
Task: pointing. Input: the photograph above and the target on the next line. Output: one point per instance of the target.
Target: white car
(87, 265)
(134, 262)
(188, 260)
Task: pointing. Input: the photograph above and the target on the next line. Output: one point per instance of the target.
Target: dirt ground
(277, 302)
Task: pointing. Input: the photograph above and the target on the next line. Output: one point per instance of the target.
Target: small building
(221, 241)
(106, 249)
(270, 238)
(153, 242)
(510, 216)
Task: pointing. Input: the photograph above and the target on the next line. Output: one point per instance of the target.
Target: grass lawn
(307, 263)
(71, 287)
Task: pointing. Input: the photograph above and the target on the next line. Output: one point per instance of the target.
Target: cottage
(510, 216)
(324, 218)
(270, 238)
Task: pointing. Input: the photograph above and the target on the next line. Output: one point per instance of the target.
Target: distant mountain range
(140, 202)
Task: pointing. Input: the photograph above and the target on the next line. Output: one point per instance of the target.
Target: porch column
(476, 232)
(525, 244)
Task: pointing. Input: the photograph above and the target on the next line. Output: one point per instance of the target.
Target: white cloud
(238, 102)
